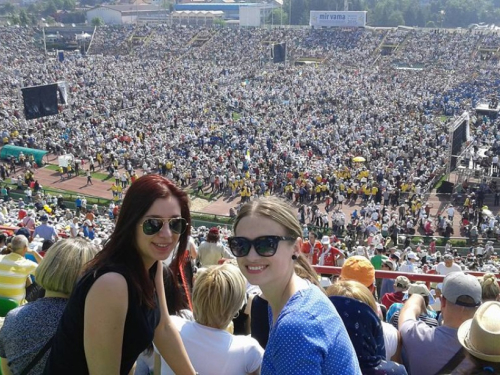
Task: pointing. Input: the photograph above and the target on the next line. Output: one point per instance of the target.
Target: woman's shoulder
(307, 306)
(114, 275)
(26, 317)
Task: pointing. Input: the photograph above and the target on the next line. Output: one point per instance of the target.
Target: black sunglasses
(153, 225)
(265, 246)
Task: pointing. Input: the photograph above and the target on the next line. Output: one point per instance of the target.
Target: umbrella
(358, 159)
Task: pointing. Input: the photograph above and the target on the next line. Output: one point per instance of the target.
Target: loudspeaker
(279, 53)
(446, 187)
(40, 101)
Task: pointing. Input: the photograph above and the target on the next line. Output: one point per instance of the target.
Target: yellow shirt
(14, 270)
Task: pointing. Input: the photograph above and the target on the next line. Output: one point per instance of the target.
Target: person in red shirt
(312, 248)
(401, 285)
(329, 254)
(22, 213)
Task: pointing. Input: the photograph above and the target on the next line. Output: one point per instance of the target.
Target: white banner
(337, 19)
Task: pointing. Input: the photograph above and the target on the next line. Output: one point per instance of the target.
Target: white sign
(64, 160)
(337, 19)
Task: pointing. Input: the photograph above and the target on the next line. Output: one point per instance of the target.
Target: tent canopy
(14, 151)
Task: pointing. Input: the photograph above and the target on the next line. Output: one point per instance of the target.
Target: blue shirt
(47, 232)
(309, 338)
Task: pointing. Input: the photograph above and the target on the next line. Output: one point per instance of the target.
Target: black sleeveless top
(67, 355)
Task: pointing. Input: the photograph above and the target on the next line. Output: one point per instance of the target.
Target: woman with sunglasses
(307, 335)
(119, 305)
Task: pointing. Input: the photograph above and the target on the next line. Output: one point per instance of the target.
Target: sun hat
(325, 240)
(480, 336)
(389, 263)
(412, 255)
(402, 282)
(418, 289)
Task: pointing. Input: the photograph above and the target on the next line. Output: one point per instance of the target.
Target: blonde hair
(304, 270)
(218, 294)
(490, 288)
(275, 209)
(60, 268)
(353, 289)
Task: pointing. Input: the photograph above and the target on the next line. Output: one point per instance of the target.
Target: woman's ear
(297, 246)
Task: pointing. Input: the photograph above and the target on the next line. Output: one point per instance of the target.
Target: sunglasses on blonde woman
(265, 246)
(153, 225)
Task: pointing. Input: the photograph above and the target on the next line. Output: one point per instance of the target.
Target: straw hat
(480, 336)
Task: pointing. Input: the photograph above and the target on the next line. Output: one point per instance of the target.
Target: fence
(427, 278)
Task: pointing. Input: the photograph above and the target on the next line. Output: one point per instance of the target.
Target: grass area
(440, 182)
(236, 116)
(203, 195)
(444, 118)
(96, 175)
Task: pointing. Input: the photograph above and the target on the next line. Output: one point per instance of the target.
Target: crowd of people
(365, 123)
(246, 127)
(266, 294)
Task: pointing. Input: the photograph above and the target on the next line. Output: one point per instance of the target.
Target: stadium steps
(403, 43)
(376, 51)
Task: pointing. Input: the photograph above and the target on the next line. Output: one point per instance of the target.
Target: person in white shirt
(411, 263)
(448, 266)
(451, 212)
(218, 294)
(74, 228)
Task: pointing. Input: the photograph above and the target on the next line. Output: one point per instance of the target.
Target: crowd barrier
(425, 277)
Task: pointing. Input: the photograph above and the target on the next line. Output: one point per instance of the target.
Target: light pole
(290, 15)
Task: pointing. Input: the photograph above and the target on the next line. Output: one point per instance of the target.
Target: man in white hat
(410, 265)
(480, 336)
(330, 255)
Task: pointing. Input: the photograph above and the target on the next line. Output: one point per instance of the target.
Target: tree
(396, 18)
(7, 8)
(97, 21)
(23, 17)
(14, 19)
(50, 9)
(277, 17)
(69, 4)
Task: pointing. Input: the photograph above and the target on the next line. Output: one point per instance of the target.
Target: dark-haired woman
(119, 306)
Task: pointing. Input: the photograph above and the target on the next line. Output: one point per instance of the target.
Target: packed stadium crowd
(366, 122)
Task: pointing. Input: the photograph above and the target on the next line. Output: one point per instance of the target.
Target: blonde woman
(219, 293)
(307, 335)
(490, 288)
(358, 309)
(28, 328)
